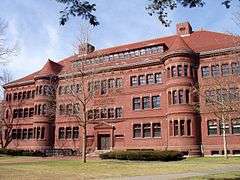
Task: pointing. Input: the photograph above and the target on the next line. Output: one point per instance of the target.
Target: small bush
(136, 155)
(21, 152)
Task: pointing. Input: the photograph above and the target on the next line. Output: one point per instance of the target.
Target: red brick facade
(148, 101)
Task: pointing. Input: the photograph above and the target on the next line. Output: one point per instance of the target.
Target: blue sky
(34, 25)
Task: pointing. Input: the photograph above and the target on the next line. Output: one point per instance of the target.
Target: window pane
(147, 130)
(141, 80)
(150, 79)
(158, 78)
(118, 112)
(134, 81)
(212, 127)
(205, 71)
(136, 103)
(155, 101)
(156, 130)
(146, 102)
(215, 70)
(136, 130)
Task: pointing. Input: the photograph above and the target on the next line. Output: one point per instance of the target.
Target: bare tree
(6, 112)
(80, 87)
(6, 50)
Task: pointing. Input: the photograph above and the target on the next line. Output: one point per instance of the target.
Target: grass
(45, 168)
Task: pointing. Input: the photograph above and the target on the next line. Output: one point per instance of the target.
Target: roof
(50, 68)
(179, 45)
(197, 41)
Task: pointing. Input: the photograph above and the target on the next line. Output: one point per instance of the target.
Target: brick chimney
(85, 48)
(184, 29)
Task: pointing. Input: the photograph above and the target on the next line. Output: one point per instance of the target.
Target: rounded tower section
(181, 74)
(46, 82)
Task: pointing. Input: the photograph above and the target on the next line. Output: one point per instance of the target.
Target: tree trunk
(224, 138)
(84, 144)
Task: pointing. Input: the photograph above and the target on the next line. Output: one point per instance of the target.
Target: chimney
(85, 49)
(184, 29)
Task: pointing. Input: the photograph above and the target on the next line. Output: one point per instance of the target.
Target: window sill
(142, 138)
(149, 109)
(143, 85)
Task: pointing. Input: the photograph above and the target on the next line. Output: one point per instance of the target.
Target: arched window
(44, 109)
(7, 114)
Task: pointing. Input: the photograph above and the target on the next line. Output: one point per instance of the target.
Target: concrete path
(224, 169)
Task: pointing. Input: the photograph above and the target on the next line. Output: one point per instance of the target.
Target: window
(68, 132)
(180, 70)
(235, 68)
(104, 87)
(111, 83)
(104, 113)
(227, 129)
(156, 129)
(174, 71)
(233, 94)
(61, 109)
(118, 112)
(225, 69)
(42, 132)
(25, 112)
(189, 127)
(147, 130)
(90, 114)
(175, 97)
(176, 127)
(44, 109)
(236, 126)
(76, 108)
(187, 96)
(75, 132)
(150, 79)
(158, 78)
(136, 103)
(19, 133)
(24, 134)
(119, 82)
(96, 114)
(28, 94)
(205, 71)
(61, 133)
(156, 101)
(111, 113)
(134, 81)
(60, 92)
(141, 80)
(15, 113)
(15, 96)
(137, 130)
(24, 95)
(181, 98)
(69, 109)
(30, 133)
(20, 113)
(185, 70)
(19, 95)
(215, 70)
(14, 134)
(212, 127)
(146, 102)
(182, 127)
(38, 132)
(31, 111)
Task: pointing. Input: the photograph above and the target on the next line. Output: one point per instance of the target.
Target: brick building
(145, 98)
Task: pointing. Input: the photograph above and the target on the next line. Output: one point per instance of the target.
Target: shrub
(21, 152)
(137, 155)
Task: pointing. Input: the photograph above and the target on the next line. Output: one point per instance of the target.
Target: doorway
(103, 141)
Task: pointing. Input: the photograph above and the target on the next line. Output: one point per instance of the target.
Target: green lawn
(45, 168)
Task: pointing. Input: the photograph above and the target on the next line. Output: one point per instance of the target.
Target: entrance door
(103, 141)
